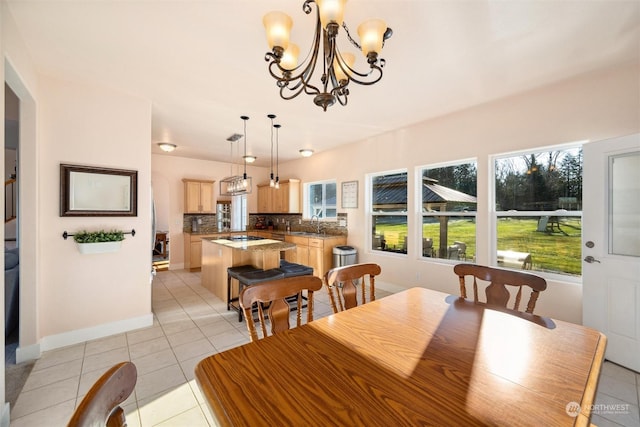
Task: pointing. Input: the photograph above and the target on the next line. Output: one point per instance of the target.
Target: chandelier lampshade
(335, 69)
(278, 26)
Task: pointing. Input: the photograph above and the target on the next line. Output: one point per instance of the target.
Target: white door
(611, 245)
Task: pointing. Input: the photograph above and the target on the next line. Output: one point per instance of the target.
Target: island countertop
(254, 245)
(219, 254)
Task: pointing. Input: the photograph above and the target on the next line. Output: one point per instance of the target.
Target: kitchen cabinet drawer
(314, 252)
(316, 243)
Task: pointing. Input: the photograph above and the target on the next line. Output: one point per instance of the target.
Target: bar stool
(291, 269)
(252, 277)
(232, 273)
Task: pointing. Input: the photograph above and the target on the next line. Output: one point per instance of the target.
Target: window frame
(370, 214)
(420, 215)
(494, 214)
(306, 208)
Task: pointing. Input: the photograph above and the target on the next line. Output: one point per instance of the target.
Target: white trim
(5, 418)
(30, 352)
(80, 335)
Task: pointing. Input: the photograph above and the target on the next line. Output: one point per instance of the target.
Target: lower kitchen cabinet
(314, 252)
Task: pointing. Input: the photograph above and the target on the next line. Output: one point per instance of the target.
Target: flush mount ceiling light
(168, 147)
(249, 158)
(306, 152)
(337, 71)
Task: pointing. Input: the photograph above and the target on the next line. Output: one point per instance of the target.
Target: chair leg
(240, 285)
(228, 292)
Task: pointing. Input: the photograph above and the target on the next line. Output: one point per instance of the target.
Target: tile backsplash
(207, 223)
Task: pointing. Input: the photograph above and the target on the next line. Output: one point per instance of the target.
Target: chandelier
(337, 67)
(234, 185)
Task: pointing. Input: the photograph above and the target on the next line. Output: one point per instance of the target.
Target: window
(538, 210)
(389, 211)
(320, 200)
(448, 205)
(239, 212)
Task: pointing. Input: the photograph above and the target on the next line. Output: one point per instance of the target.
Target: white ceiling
(201, 63)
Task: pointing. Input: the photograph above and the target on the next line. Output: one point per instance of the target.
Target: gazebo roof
(434, 193)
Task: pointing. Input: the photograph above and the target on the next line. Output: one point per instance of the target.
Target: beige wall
(67, 297)
(90, 125)
(167, 174)
(592, 107)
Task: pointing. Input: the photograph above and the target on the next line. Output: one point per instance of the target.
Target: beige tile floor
(190, 324)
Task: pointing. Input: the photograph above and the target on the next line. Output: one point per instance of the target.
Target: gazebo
(436, 197)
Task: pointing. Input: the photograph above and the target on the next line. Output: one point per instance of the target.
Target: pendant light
(277, 185)
(246, 181)
(272, 182)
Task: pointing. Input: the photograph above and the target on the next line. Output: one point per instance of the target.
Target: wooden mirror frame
(66, 189)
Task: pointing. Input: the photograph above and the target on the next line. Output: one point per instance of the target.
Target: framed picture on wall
(349, 194)
(93, 191)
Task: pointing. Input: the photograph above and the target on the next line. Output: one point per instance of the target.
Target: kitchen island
(221, 253)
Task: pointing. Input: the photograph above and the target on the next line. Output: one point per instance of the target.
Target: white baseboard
(5, 418)
(80, 335)
(30, 352)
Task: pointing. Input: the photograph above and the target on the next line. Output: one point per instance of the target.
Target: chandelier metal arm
(291, 84)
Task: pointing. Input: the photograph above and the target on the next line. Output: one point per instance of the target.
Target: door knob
(591, 259)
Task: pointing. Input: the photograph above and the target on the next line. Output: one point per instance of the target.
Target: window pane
(389, 233)
(390, 193)
(543, 181)
(624, 204)
(449, 189)
(321, 199)
(449, 237)
(541, 243)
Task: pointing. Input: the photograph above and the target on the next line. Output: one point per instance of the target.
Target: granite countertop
(276, 232)
(212, 233)
(254, 245)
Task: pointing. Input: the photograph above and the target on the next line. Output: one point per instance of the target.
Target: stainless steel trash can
(344, 255)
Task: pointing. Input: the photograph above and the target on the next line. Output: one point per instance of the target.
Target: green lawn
(556, 252)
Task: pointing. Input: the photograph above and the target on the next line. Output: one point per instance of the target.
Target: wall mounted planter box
(99, 248)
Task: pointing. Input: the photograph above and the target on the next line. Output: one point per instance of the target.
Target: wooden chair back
(275, 293)
(343, 282)
(101, 404)
(497, 293)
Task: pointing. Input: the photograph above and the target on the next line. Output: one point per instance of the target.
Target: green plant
(98, 236)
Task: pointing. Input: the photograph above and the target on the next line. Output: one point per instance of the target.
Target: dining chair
(277, 294)
(427, 247)
(496, 292)
(343, 282)
(101, 404)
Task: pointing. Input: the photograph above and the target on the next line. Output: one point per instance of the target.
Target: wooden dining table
(418, 357)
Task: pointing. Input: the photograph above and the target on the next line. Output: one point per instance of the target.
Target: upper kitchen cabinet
(198, 196)
(286, 199)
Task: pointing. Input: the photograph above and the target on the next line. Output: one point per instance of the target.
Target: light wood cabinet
(314, 252)
(198, 196)
(286, 199)
(193, 248)
(265, 198)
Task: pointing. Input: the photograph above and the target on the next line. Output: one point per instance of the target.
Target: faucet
(318, 222)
